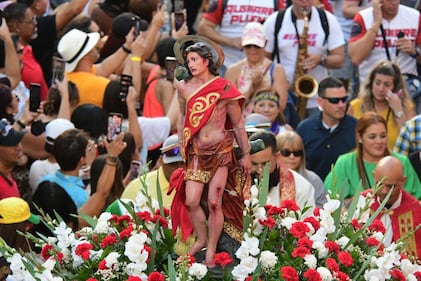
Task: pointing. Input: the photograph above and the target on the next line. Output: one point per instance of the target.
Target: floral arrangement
(279, 244)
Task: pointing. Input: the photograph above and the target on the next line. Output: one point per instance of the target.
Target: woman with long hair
(353, 171)
(385, 93)
(292, 155)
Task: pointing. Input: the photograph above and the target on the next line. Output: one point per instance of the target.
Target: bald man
(402, 212)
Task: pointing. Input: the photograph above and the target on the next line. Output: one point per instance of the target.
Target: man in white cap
(44, 167)
(79, 51)
(10, 155)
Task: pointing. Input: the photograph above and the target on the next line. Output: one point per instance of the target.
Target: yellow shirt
(91, 87)
(133, 188)
(392, 126)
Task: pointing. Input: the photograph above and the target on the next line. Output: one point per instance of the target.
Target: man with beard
(330, 133)
(284, 183)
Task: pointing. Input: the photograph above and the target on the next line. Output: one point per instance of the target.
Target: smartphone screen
(34, 97)
(135, 168)
(125, 82)
(170, 65)
(136, 24)
(178, 20)
(115, 122)
(58, 69)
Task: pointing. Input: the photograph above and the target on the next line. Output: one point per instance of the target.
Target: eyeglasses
(336, 100)
(32, 21)
(287, 152)
(172, 152)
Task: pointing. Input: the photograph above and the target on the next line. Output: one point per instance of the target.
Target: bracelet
(126, 50)
(136, 58)
(21, 124)
(244, 153)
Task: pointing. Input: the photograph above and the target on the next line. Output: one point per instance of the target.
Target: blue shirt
(323, 147)
(73, 185)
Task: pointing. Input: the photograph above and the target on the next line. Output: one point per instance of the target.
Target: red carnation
(418, 275)
(290, 205)
(371, 241)
(342, 276)
(397, 274)
(113, 218)
(273, 210)
(91, 279)
(124, 218)
(83, 249)
(223, 259)
(127, 232)
(345, 258)
(299, 229)
(102, 265)
(316, 212)
(332, 265)
(377, 225)
(300, 252)
(156, 276)
(355, 224)
(145, 216)
(312, 275)
(163, 222)
(134, 278)
(305, 242)
(268, 222)
(250, 278)
(289, 273)
(108, 240)
(332, 246)
(47, 251)
(312, 220)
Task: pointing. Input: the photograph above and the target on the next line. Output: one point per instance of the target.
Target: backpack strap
(278, 24)
(325, 23)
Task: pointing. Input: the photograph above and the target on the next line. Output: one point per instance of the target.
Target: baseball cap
(253, 34)
(55, 128)
(171, 150)
(256, 122)
(8, 135)
(15, 210)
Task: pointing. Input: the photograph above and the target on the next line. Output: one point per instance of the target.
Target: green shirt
(344, 175)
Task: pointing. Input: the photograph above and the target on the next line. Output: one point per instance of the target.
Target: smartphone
(399, 93)
(115, 122)
(58, 69)
(170, 65)
(136, 24)
(178, 19)
(135, 168)
(34, 97)
(125, 82)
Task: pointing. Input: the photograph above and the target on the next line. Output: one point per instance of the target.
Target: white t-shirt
(39, 169)
(288, 43)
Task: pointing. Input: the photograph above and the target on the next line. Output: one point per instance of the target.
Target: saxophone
(304, 86)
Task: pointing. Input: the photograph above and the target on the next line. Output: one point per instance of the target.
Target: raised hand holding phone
(34, 97)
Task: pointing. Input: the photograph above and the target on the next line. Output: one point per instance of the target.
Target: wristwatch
(323, 61)
(111, 160)
(399, 115)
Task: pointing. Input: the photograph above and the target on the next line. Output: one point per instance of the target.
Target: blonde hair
(292, 138)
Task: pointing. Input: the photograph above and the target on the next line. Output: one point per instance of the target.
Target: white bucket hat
(74, 45)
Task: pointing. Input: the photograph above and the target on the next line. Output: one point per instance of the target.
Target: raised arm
(12, 66)
(68, 11)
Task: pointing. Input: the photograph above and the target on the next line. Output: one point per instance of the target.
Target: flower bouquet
(279, 244)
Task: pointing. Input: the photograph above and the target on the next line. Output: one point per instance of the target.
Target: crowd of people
(316, 93)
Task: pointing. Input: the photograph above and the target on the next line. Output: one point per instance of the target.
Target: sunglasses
(336, 100)
(287, 153)
(172, 152)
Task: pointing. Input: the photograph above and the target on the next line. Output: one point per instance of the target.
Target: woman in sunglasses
(353, 171)
(385, 93)
(291, 148)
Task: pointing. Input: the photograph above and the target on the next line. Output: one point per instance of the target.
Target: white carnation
(310, 261)
(198, 270)
(268, 259)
